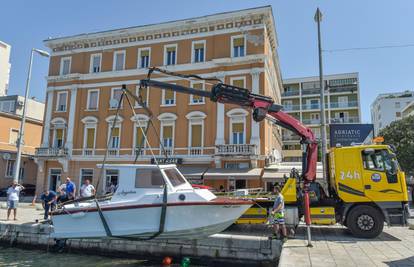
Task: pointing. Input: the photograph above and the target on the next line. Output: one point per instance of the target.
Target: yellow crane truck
(365, 188)
(365, 184)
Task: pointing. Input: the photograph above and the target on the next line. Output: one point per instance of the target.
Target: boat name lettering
(124, 193)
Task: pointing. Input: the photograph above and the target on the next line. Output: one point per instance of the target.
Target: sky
(346, 24)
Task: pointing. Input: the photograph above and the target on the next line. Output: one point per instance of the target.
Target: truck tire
(365, 221)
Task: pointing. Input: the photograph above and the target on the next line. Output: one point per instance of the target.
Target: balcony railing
(290, 93)
(311, 106)
(290, 137)
(342, 89)
(113, 151)
(291, 107)
(167, 150)
(311, 91)
(349, 104)
(140, 152)
(236, 149)
(195, 151)
(51, 152)
(88, 151)
(311, 121)
(345, 120)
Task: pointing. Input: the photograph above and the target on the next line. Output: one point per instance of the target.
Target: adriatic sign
(348, 134)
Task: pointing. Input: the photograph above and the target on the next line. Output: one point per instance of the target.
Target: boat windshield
(174, 176)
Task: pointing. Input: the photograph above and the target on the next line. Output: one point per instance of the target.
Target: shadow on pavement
(403, 262)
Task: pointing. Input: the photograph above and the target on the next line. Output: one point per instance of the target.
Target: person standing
(13, 199)
(62, 193)
(278, 213)
(87, 189)
(70, 189)
(49, 202)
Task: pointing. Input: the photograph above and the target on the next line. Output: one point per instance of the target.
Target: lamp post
(318, 19)
(21, 132)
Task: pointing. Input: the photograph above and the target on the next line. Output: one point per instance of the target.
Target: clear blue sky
(351, 23)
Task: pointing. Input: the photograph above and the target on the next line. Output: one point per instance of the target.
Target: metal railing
(236, 149)
(51, 152)
(349, 104)
(345, 120)
(310, 106)
(291, 107)
(290, 93)
(290, 137)
(311, 91)
(311, 121)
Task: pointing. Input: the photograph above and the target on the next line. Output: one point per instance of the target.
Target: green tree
(401, 134)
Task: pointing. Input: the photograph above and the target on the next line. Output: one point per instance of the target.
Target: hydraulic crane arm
(262, 106)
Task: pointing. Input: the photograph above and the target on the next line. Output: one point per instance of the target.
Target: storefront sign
(167, 161)
(348, 134)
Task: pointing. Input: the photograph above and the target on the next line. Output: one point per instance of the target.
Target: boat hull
(182, 220)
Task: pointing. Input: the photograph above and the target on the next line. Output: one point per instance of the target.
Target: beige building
(408, 110)
(4, 67)
(86, 73)
(10, 118)
(301, 99)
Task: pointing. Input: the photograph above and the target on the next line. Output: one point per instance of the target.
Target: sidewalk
(26, 213)
(334, 246)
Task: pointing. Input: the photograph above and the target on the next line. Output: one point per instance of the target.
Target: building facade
(10, 118)
(408, 110)
(387, 108)
(4, 67)
(204, 138)
(301, 99)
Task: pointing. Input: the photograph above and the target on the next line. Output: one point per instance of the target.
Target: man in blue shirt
(49, 202)
(70, 189)
(278, 213)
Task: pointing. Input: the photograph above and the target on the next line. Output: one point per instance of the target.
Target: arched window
(140, 125)
(237, 126)
(89, 135)
(167, 132)
(59, 128)
(195, 132)
(114, 134)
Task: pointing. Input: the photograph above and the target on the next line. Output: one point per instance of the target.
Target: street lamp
(21, 132)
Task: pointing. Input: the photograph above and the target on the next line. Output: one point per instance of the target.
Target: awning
(277, 175)
(216, 174)
(192, 172)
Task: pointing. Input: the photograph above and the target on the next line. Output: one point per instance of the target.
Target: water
(15, 257)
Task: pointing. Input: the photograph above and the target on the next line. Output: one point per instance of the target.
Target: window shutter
(90, 137)
(200, 87)
(169, 94)
(238, 41)
(170, 49)
(139, 137)
(238, 83)
(196, 135)
(167, 132)
(199, 46)
(144, 53)
(143, 94)
(238, 127)
(115, 132)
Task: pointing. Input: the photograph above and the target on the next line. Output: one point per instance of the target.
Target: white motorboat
(150, 202)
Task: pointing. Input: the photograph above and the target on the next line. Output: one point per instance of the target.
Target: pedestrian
(111, 188)
(87, 189)
(278, 213)
(13, 199)
(49, 202)
(70, 189)
(63, 197)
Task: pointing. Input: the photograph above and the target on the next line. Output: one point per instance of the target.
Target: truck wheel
(365, 221)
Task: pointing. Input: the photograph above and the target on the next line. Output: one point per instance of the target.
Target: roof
(217, 173)
(192, 172)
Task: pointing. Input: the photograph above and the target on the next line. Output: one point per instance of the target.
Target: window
(86, 174)
(65, 65)
(112, 179)
(383, 161)
(61, 101)
(139, 137)
(314, 117)
(93, 99)
(10, 168)
(89, 142)
(114, 138)
(238, 81)
(238, 46)
(119, 60)
(397, 105)
(95, 63)
(168, 97)
(174, 176)
(342, 101)
(196, 135)
(142, 93)
(398, 114)
(14, 136)
(237, 132)
(167, 136)
(198, 51)
(148, 178)
(195, 99)
(144, 57)
(115, 97)
(170, 54)
(58, 140)
(7, 106)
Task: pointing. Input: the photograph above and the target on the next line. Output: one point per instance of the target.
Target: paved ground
(334, 246)
(26, 213)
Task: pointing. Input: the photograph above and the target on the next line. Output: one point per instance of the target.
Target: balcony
(88, 151)
(291, 107)
(349, 104)
(311, 121)
(113, 151)
(51, 152)
(194, 151)
(290, 93)
(343, 89)
(290, 138)
(236, 149)
(311, 91)
(310, 106)
(345, 120)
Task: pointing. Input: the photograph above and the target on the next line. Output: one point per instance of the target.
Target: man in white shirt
(13, 199)
(87, 189)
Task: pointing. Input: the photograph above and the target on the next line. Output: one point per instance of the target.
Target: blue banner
(349, 134)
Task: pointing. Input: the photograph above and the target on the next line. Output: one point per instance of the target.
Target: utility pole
(21, 132)
(318, 19)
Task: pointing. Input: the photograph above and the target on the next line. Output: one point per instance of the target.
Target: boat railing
(85, 199)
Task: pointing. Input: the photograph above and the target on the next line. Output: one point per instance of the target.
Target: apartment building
(215, 144)
(301, 99)
(4, 67)
(11, 110)
(388, 107)
(408, 110)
